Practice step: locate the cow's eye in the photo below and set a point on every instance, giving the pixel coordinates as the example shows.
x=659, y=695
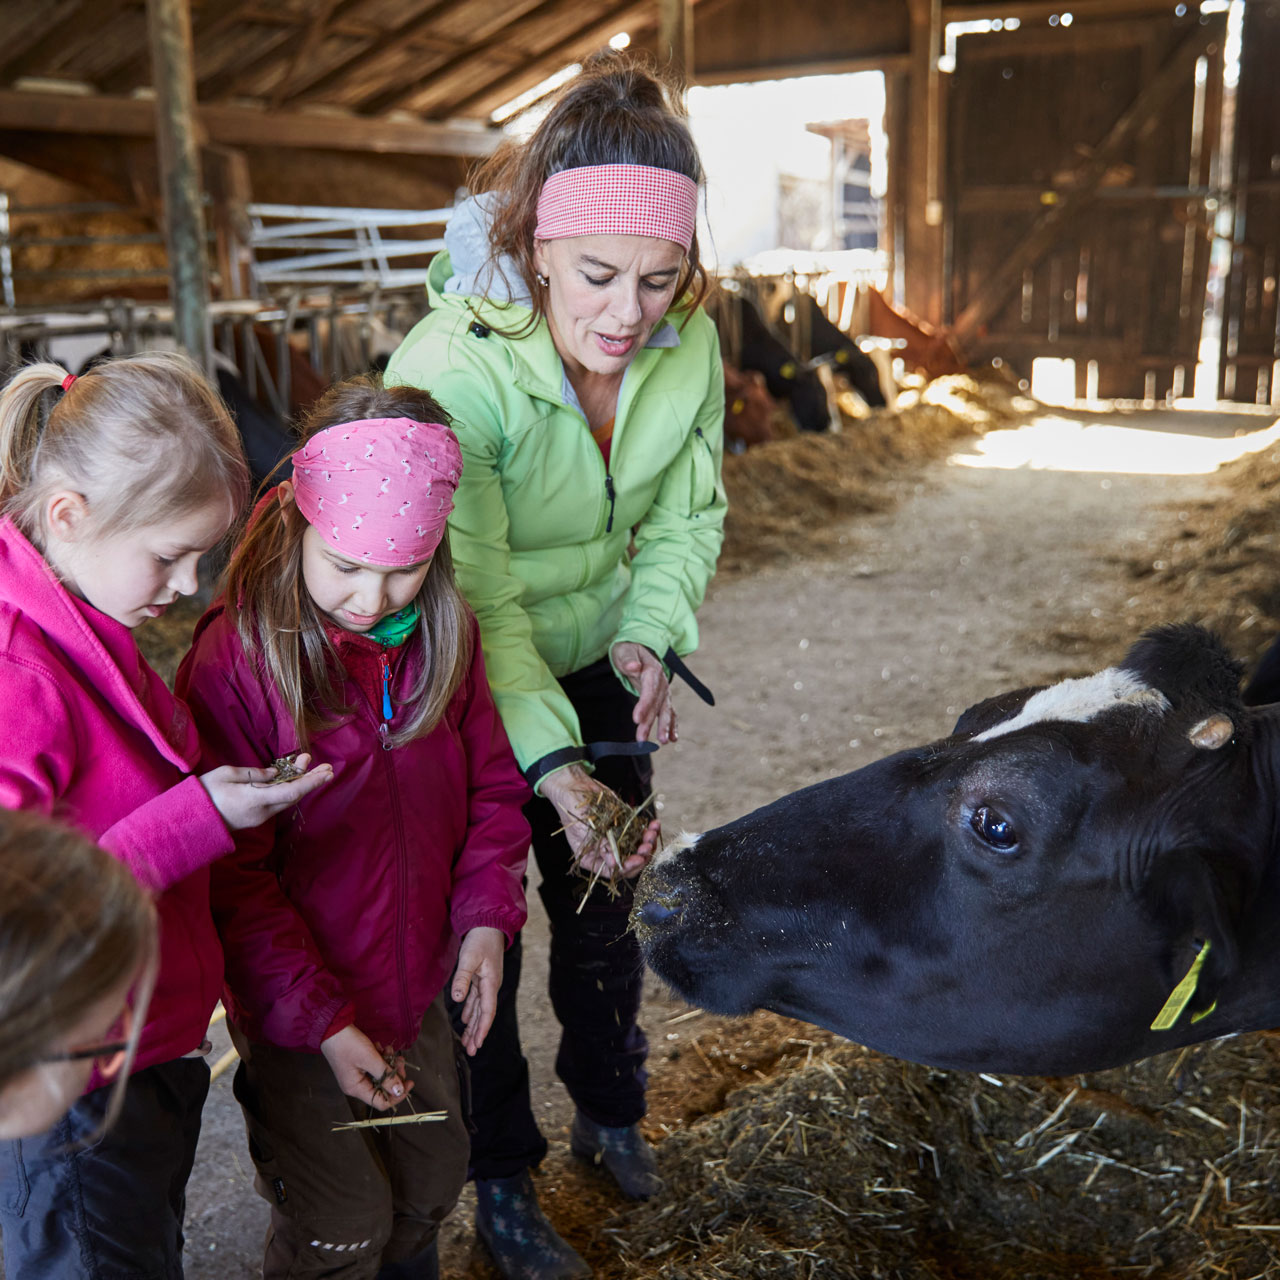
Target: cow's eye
x=993, y=828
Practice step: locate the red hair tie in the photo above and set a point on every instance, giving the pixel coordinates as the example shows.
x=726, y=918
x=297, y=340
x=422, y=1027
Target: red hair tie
x=67, y=381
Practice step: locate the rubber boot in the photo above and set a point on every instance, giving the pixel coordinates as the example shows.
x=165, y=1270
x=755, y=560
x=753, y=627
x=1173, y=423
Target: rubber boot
x=524, y=1244
x=623, y=1152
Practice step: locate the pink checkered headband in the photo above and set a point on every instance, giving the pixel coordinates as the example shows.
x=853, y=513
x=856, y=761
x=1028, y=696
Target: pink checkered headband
x=379, y=489
x=618, y=200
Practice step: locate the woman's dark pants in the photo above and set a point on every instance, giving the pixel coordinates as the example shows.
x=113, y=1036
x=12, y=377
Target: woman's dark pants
x=596, y=973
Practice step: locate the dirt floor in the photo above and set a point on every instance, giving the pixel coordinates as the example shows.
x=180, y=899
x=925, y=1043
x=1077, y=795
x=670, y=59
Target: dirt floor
x=1017, y=560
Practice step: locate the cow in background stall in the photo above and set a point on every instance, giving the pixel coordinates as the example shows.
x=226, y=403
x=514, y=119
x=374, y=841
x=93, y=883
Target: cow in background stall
x=923, y=347
x=1078, y=877
x=750, y=412
x=826, y=344
x=749, y=344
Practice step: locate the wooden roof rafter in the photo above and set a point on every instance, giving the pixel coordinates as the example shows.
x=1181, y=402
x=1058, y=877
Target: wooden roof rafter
x=506, y=85
x=388, y=55
x=389, y=100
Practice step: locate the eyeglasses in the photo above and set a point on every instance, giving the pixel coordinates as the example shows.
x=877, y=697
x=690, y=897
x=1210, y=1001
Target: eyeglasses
x=107, y=1055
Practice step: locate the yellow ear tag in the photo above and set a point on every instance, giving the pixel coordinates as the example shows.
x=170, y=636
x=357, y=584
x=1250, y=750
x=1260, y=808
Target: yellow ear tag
x=1181, y=995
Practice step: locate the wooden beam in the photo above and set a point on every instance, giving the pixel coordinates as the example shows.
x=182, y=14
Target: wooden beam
x=61, y=40
x=675, y=38
x=398, y=97
x=386, y=51
x=510, y=83
x=1048, y=228
x=173, y=75
x=207, y=23
x=45, y=34
x=247, y=126
x=888, y=63
x=242, y=73
x=922, y=256
x=1041, y=10
x=226, y=172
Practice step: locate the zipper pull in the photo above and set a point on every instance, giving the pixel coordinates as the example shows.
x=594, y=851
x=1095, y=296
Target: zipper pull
x=387, y=710
x=612, y=494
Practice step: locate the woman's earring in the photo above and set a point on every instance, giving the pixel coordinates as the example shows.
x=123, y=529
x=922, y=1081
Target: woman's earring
x=542, y=280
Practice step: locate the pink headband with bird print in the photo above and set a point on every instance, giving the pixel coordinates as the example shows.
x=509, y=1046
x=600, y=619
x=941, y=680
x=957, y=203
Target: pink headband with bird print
x=379, y=489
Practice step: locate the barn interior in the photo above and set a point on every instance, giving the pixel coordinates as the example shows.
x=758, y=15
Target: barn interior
x=1084, y=188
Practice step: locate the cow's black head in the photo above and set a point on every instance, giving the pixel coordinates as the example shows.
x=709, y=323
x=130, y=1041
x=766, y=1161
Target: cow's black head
x=1025, y=895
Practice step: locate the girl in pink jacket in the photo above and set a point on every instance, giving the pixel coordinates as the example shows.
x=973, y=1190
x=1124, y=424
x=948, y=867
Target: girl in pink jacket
x=107, y=502
x=342, y=634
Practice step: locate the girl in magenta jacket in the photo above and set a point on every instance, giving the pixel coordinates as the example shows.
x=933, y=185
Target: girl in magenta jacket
x=109, y=499
x=342, y=634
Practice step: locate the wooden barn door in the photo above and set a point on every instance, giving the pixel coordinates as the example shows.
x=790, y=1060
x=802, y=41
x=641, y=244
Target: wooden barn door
x=1079, y=195
x=1251, y=298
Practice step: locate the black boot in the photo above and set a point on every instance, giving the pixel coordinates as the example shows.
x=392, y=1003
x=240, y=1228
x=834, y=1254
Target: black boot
x=623, y=1152
x=524, y=1245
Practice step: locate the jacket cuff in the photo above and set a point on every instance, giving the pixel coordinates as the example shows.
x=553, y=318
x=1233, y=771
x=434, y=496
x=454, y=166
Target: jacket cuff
x=551, y=763
x=509, y=922
x=341, y=1020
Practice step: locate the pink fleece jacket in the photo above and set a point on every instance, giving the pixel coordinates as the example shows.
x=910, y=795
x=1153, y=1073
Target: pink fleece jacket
x=348, y=907
x=93, y=737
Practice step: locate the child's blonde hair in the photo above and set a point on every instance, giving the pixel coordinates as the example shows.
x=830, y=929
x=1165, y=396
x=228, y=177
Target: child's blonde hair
x=74, y=926
x=279, y=624
x=143, y=438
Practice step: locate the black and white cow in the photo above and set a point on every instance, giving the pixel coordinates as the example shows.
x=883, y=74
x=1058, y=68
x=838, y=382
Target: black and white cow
x=1078, y=877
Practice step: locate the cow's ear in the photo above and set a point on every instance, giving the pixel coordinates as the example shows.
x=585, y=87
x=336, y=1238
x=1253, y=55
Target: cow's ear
x=1197, y=898
x=993, y=711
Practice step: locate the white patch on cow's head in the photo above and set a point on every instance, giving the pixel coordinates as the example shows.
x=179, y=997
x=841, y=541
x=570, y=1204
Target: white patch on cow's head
x=685, y=840
x=1081, y=700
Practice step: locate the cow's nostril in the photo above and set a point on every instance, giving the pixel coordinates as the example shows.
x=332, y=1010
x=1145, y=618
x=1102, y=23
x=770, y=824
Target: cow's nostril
x=654, y=912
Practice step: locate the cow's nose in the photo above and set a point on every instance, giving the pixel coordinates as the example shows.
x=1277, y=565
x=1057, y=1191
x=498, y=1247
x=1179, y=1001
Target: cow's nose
x=655, y=912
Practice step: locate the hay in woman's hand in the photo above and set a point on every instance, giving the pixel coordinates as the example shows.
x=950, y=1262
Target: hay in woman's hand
x=617, y=826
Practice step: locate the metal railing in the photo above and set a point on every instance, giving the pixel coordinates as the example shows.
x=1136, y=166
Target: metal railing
x=292, y=245
x=18, y=238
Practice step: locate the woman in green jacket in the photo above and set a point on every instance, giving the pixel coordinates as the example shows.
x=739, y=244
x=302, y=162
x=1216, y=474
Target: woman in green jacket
x=567, y=342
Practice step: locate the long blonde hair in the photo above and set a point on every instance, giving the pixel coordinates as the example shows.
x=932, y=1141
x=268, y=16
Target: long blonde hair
x=278, y=623
x=143, y=438
x=74, y=926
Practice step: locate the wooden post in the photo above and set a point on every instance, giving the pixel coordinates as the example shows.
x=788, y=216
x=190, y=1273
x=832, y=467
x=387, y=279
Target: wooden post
x=675, y=37
x=227, y=174
x=922, y=260
x=177, y=142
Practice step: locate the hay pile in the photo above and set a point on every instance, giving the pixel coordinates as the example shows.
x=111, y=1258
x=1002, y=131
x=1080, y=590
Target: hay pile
x=787, y=497
x=857, y=1165
x=1221, y=568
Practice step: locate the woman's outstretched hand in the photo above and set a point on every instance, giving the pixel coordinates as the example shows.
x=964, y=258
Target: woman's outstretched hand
x=654, y=715
x=243, y=798
x=570, y=791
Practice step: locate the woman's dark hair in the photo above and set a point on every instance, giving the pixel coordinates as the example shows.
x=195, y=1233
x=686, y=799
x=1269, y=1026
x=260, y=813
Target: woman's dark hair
x=617, y=110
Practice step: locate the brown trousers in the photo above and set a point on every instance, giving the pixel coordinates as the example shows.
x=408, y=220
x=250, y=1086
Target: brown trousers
x=343, y=1204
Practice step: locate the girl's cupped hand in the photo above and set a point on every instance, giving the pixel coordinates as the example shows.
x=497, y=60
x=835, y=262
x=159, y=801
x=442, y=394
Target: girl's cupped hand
x=243, y=798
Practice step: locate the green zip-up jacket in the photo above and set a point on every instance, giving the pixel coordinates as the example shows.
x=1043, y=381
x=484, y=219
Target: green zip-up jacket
x=541, y=532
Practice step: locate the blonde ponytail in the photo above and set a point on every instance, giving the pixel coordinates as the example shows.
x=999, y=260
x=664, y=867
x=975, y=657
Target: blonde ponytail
x=144, y=439
x=22, y=423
